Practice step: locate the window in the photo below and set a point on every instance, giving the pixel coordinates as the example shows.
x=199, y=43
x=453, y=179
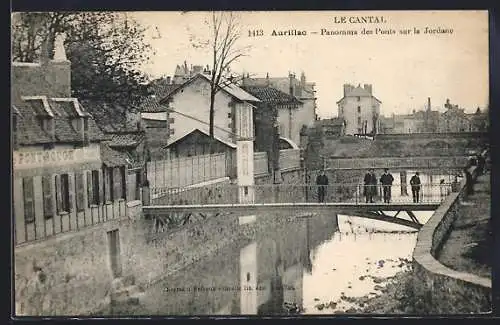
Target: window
x=171, y=120
x=229, y=115
x=359, y=109
x=47, y=197
x=63, y=193
x=230, y=125
x=108, y=183
x=359, y=120
x=79, y=190
x=117, y=184
x=93, y=187
x=123, y=174
x=172, y=131
x=29, y=202
x=359, y=98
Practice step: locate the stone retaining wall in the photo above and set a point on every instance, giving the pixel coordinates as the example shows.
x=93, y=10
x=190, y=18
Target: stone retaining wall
x=439, y=288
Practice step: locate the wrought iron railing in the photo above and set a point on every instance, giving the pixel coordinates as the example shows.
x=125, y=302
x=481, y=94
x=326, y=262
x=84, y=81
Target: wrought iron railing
x=397, y=162
x=301, y=193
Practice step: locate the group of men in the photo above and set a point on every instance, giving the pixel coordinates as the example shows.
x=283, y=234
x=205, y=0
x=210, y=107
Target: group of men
x=370, y=186
x=386, y=180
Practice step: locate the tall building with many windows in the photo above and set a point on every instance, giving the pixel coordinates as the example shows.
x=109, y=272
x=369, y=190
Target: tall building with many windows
x=360, y=110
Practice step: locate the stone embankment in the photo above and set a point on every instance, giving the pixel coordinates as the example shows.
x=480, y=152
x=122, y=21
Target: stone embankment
x=463, y=284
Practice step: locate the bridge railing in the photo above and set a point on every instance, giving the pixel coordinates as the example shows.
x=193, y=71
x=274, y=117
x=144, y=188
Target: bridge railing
x=302, y=193
x=396, y=162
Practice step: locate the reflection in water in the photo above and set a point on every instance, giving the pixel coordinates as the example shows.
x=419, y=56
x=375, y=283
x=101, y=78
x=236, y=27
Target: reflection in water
x=286, y=269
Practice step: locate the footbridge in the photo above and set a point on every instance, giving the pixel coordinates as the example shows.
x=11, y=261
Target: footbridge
x=397, y=163
x=177, y=205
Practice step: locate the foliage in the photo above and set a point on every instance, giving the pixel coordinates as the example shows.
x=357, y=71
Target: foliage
x=105, y=49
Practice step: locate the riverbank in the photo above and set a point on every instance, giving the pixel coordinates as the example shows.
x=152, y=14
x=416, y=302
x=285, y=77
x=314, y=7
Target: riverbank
x=470, y=243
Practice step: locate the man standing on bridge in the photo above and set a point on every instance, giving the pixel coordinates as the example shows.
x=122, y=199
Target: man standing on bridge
x=415, y=187
x=370, y=185
x=322, y=182
x=386, y=180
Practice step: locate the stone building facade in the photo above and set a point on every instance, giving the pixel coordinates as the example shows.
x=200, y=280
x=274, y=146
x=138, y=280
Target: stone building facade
x=360, y=110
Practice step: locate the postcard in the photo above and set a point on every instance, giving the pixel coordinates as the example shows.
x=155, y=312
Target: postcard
x=236, y=163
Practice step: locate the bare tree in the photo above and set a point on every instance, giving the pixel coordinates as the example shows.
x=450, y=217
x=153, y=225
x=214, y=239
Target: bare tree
x=225, y=35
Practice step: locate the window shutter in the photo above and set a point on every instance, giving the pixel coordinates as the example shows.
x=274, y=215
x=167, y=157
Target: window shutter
x=107, y=191
x=47, y=197
x=59, y=194
x=71, y=191
x=79, y=188
x=124, y=182
x=29, y=206
x=100, y=181
x=90, y=192
x=116, y=183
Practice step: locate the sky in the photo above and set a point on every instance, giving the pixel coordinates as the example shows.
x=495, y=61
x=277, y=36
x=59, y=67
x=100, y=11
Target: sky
x=404, y=70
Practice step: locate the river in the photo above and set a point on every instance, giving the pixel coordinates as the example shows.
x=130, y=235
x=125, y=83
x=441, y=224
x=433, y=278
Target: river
x=310, y=265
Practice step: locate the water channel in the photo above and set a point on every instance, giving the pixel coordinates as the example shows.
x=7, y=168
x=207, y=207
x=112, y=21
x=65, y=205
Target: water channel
x=305, y=267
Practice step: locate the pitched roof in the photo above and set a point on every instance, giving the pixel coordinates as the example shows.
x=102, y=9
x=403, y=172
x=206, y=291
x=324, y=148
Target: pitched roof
x=110, y=117
x=126, y=140
x=151, y=104
x=173, y=141
x=112, y=158
x=336, y=121
x=29, y=130
x=231, y=89
x=271, y=95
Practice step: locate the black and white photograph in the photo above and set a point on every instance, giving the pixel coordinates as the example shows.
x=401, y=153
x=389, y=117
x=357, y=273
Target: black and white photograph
x=239, y=163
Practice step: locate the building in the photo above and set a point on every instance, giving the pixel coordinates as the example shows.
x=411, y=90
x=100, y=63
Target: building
x=423, y=121
x=359, y=109
x=331, y=127
x=454, y=119
x=61, y=180
x=301, y=89
x=183, y=73
x=189, y=109
x=479, y=121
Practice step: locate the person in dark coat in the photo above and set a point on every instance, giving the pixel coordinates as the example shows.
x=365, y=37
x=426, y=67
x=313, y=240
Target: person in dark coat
x=370, y=185
x=386, y=180
x=415, y=187
x=322, y=182
x=469, y=186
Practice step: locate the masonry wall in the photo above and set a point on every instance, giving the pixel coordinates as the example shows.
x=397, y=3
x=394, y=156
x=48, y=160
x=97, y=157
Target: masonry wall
x=440, y=289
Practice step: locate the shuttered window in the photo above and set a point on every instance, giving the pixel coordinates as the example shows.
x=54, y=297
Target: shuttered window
x=108, y=185
x=29, y=202
x=117, y=187
x=62, y=193
x=123, y=173
x=93, y=188
x=47, y=197
x=79, y=190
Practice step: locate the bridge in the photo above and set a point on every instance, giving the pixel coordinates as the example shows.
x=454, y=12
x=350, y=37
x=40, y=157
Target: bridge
x=396, y=163
x=176, y=205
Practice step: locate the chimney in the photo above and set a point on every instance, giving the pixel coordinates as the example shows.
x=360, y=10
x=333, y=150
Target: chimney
x=292, y=86
x=267, y=79
x=303, y=79
x=169, y=80
x=243, y=79
x=58, y=70
x=368, y=88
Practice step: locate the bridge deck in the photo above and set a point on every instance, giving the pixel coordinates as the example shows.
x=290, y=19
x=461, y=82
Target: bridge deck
x=258, y=208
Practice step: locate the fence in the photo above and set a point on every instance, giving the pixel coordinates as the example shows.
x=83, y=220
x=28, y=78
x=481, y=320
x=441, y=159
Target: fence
x=261, y=166
x=397, y=162
x=302, y=193
x=289, y=159
x=184, y=171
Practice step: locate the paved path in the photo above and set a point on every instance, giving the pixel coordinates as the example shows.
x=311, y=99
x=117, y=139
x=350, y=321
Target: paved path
x=470, y=243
